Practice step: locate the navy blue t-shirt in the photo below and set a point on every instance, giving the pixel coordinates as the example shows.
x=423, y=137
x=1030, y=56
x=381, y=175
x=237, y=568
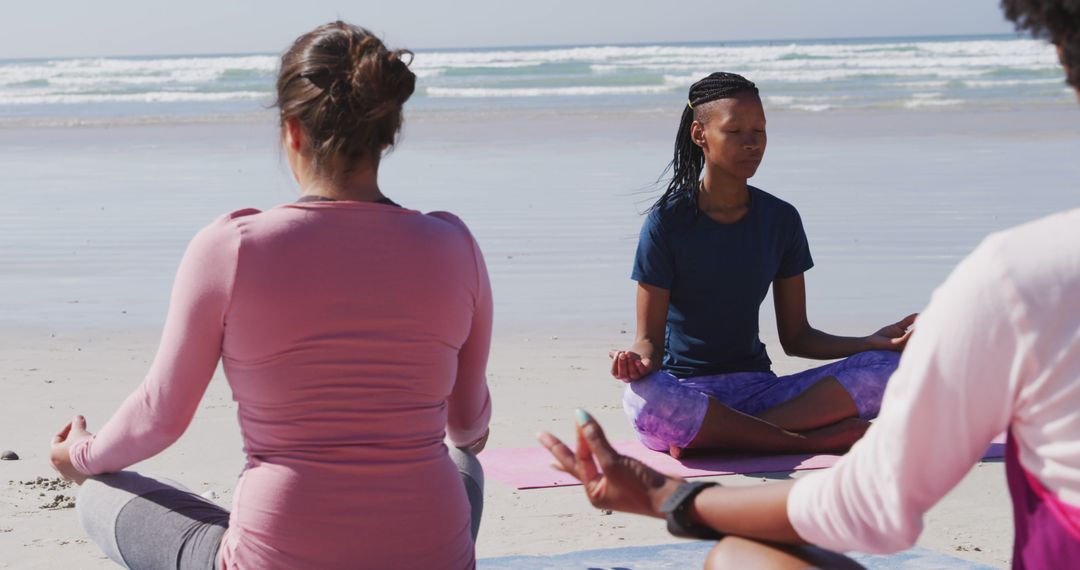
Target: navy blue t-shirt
x=718, y=275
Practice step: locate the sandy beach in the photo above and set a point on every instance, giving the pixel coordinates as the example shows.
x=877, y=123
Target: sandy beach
x=95, y=219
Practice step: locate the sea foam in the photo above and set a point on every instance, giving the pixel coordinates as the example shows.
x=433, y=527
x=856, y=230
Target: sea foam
x=809, y=76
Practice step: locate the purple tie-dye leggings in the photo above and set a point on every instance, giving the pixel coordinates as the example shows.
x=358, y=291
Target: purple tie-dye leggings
x=667, y=411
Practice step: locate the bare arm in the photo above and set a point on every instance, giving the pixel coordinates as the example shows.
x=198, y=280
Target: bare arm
x=645, y=354
x=800, y=339
x=622, y=483
x=756, y=511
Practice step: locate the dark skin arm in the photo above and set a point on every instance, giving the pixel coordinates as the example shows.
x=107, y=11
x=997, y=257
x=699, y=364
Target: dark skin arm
x=755, y=511
x=621, y=483
x=645, y=355
x=796, y=335
x=800, y=339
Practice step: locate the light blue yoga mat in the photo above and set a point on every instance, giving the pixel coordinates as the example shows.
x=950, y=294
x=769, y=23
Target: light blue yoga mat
x=692, y=555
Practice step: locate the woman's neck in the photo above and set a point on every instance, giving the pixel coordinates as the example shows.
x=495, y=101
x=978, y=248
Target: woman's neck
x=723, y=193
x=359, y=185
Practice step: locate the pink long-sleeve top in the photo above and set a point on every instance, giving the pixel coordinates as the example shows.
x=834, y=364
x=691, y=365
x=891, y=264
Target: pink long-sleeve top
x=997, y=349
x=354, y=336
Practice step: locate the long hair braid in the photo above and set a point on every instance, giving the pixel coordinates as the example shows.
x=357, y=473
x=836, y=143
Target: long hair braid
x=689, y=161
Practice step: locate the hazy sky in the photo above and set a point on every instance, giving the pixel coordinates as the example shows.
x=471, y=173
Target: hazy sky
x=30, y=28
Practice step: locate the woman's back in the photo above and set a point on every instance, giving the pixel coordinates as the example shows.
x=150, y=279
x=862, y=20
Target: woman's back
x=343, y=328
x=354, y=334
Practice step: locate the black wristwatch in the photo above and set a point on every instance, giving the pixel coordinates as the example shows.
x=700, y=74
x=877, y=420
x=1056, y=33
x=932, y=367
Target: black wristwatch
x=677, y=510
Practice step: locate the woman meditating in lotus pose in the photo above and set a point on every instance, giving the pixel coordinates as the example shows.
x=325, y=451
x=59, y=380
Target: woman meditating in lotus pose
x=998, y=349
x=699, y=377
x=354, y=334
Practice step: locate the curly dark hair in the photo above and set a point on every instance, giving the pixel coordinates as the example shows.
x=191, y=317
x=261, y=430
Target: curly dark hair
x=1055, y=20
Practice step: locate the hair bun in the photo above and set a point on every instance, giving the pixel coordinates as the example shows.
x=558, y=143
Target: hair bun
x=350, y=91
x=375, y=81
x=398, y=68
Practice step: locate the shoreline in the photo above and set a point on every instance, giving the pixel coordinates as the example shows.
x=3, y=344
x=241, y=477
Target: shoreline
x=948, y=117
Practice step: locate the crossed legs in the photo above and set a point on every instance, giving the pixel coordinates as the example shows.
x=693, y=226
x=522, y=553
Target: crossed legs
x=824, y=409
x=822, y=419
x=145, y=522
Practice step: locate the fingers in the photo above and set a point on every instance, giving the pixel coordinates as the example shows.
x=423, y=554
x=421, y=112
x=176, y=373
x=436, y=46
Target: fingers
x=615, y=360
x=907, y=321
x=641, y=368
x=563, y=456
x=634, y=368
x=587, y=470
x=627, y=365
x=591, y=441
x=62, y=434
x=902, y=339
x=78, y=425
x=624, y=363
x=594, y=438
x=558, y=467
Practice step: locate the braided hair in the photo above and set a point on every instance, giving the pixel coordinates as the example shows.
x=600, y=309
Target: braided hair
x=686, y=167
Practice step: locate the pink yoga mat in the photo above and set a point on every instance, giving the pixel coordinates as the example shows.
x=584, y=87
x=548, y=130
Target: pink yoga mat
x=530, y=467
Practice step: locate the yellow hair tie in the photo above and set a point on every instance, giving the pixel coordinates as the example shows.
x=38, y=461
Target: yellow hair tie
x=690, y=103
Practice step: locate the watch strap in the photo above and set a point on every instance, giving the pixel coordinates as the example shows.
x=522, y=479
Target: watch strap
x=676, y=508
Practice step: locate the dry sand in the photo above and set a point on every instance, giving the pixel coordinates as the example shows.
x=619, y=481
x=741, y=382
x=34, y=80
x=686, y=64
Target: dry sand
x=536, y=383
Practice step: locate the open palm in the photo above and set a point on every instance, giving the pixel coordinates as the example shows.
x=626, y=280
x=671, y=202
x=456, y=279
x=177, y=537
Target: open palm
x=896, y=335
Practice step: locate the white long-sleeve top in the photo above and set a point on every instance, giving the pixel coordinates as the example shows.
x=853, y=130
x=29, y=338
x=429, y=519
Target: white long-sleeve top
x=997, y=349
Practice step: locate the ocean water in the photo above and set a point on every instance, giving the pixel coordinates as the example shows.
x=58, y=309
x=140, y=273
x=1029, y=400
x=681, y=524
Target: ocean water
x=810, y=76
x=893, y=192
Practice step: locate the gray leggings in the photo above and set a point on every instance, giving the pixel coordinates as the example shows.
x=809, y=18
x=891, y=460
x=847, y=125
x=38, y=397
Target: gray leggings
x=142, y=522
